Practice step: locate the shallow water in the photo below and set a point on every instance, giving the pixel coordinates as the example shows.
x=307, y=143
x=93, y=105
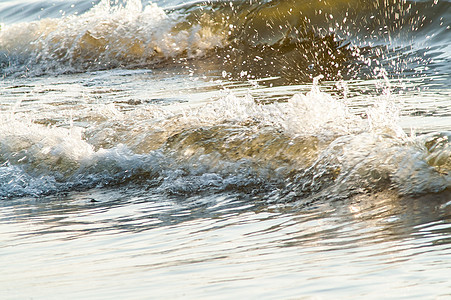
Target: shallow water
x=137, y=244
x=272, y=149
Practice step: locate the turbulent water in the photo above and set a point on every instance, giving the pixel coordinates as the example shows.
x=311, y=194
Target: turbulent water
x=271, y=149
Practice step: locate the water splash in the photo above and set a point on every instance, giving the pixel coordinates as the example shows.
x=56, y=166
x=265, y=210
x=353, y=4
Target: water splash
x=309, y=146
x=107, y=36
x=292, y=40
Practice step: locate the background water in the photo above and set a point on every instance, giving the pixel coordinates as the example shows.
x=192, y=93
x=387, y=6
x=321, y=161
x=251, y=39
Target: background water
x=257, y=149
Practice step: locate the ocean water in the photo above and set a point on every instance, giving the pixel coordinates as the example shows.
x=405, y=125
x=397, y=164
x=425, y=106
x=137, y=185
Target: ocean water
x=221, y=149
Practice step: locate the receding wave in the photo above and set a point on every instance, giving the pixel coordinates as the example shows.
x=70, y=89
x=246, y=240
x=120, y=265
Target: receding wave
x=297, y=40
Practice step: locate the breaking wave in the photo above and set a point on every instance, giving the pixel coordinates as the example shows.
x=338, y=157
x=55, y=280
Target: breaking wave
x=296, y=40
x=308, y=147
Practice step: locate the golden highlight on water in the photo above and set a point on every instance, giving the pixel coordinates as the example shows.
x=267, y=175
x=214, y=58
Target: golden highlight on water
x=218, y=149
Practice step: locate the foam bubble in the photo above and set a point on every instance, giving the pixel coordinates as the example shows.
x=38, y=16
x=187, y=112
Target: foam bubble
x=308, y=146
x=105, y=37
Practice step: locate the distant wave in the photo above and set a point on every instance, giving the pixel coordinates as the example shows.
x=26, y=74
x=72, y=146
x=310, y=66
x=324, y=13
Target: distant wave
x=104, y=37
x=297, y=40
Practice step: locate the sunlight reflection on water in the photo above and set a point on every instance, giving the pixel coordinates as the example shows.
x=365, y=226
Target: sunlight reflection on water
x=375, y=246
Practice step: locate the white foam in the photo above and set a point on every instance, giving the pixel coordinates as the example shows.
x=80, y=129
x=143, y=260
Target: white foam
x=107, y=36
x=312, y=114
x=356, y=154
x=37, y=160
x=43, y=148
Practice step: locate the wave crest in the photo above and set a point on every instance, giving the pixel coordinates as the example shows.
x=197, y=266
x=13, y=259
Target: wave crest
x=308, y=147
x=106, y=37
x=296, y=40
